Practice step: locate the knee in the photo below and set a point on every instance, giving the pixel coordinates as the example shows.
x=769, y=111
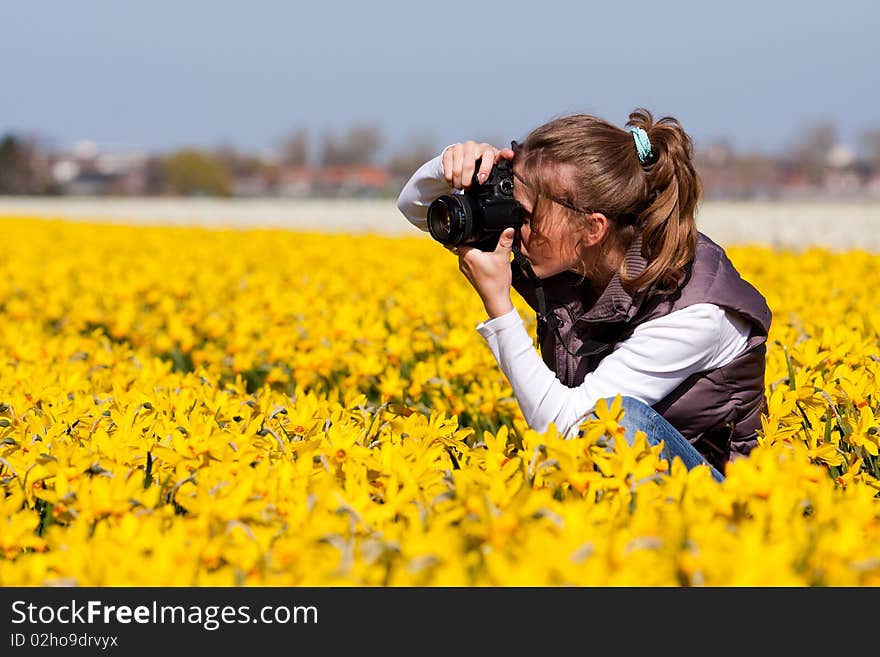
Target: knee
x=628, y=403
x=635, y=411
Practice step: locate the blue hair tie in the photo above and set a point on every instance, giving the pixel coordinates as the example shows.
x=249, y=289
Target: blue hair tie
x=643, y=144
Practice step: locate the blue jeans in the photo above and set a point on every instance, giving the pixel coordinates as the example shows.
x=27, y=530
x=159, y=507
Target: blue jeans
x=638, y=416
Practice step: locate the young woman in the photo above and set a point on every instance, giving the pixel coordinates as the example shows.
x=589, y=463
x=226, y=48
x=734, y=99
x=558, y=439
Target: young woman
x=636, y=300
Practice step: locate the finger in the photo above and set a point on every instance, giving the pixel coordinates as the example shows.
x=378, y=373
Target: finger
x=448, y=156
x=505, y=242
x=468, y=165
x=506, y=153
x=486, y=164
x=457, y=159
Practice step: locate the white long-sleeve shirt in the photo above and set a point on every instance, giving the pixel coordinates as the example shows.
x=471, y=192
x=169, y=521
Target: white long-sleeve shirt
x=659, y=355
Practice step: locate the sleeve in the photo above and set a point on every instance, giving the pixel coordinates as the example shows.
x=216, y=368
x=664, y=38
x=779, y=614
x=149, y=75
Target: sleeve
x=651, y=363
x=425, y=185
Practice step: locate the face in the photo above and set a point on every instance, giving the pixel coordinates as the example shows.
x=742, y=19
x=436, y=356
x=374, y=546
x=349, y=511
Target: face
x=554, y=251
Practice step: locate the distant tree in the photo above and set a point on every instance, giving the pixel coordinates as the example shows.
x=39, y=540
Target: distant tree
x=237, y=163
x=331, y=151
x=360, y=145
x=155, y=177
x=194, y=173
x=294, y=149
x=717, y=153
x=809, y=151
x=418, y=150
x=18, y=171
x=869, y=147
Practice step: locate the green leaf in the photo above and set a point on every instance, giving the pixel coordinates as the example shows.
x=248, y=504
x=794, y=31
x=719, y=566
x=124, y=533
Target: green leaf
x=791, y=381
x=148, y=471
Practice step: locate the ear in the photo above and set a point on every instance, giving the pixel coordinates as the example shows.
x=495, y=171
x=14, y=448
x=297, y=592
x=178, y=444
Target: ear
x=596, y=227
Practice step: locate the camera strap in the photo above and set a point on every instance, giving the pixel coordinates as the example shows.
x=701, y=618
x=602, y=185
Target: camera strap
x=543, y=316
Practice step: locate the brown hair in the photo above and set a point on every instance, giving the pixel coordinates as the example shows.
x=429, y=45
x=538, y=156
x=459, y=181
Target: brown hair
x=589, y=165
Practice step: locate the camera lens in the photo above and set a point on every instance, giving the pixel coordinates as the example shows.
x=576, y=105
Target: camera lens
x=440, y=223
x=448, y=219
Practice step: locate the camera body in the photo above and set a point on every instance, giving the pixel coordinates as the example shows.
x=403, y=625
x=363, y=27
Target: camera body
x=479, y=215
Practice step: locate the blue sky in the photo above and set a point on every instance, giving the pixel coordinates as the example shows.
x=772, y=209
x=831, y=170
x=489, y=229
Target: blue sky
x=161, y=74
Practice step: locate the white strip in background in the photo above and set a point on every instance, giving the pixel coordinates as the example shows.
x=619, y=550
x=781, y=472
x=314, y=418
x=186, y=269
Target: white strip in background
x=836, y=225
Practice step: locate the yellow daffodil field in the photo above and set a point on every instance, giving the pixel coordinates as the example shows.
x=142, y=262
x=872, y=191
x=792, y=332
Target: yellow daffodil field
x=186, y=406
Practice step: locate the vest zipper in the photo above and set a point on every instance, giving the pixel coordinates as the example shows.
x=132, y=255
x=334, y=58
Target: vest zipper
x=566, y=349
x=569, y=369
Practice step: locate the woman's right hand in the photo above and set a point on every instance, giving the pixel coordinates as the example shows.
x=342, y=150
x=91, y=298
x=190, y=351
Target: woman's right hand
x=459, y=162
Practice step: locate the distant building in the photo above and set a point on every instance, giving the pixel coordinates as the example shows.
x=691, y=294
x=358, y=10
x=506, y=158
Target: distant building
x=87, y=172
x=252, y=185
x=333, y=181
x=296, y=182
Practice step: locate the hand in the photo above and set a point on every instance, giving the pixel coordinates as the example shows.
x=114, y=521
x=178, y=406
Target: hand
x=489, y=273
x=459, y=162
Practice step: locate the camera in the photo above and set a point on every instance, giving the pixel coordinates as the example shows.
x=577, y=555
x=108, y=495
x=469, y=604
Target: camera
x=479, y=215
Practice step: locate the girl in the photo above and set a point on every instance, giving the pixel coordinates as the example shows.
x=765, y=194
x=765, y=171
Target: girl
x=631, y=297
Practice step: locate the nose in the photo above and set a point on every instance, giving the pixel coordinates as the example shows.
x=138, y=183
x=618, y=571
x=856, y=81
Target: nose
x=524, y=235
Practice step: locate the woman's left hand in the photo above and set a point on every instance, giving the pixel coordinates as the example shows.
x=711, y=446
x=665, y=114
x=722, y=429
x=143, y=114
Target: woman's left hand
x=489, y=273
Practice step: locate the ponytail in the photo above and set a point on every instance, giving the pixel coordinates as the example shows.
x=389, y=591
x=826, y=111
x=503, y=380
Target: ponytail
x=668, y=222
x=643, y=183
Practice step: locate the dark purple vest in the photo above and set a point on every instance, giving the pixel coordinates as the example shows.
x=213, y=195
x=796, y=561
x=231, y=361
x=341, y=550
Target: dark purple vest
x=717, y=410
